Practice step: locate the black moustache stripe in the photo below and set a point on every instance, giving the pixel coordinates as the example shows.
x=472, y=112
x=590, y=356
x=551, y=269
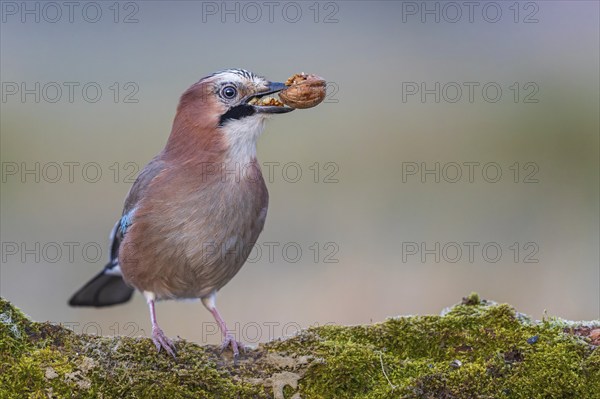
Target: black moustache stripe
x=237, y=112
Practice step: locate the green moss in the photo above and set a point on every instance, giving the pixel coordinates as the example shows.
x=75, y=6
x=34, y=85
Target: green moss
x=477, y=349
x=40, y=360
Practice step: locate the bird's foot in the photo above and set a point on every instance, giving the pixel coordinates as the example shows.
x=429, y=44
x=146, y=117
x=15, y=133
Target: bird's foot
x=230, y=340
x=162, y=341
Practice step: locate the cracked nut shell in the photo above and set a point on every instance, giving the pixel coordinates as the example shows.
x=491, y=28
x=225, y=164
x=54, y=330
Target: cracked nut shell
x=304, y=91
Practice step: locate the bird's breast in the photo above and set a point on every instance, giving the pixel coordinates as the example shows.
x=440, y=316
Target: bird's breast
x=193, y=232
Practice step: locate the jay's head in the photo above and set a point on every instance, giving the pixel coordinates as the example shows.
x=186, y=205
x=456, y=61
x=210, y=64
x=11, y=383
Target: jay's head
x=228, y=110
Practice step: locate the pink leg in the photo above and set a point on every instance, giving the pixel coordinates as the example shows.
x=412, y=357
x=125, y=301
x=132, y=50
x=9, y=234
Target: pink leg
x=158, y=336
x=228, y=338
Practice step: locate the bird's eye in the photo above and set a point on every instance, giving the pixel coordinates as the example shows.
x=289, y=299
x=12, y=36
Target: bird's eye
x=228, y=92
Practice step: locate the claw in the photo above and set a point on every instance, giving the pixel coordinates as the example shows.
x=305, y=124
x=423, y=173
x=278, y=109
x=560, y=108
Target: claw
x=162, y=341
x=158, y=336
x=230, y=340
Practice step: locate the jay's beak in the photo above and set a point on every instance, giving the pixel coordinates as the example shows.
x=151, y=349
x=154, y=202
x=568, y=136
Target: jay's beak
x=264, y=103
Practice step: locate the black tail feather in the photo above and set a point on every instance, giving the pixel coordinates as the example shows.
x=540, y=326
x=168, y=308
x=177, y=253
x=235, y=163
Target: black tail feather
x=103, y=290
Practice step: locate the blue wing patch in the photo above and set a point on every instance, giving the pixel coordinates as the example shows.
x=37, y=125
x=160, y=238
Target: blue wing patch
x=126, y=221
x=116, y=237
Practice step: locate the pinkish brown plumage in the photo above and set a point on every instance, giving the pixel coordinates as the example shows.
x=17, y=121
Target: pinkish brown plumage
x=195, y=211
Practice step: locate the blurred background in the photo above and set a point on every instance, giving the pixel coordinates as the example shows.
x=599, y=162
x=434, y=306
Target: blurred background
x=457, y=151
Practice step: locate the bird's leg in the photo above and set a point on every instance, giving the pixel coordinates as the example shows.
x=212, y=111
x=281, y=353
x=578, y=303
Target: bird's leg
x=228, y=338
x=158, y=336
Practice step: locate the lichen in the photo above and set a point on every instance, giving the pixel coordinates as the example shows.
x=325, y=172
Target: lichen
x=477, y=349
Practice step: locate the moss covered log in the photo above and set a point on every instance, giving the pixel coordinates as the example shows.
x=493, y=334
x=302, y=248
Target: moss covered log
x=476, y=349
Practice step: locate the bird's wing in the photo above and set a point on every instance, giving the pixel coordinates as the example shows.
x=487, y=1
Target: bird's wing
x=136, y=192
x=140, y=186
x=108, y=287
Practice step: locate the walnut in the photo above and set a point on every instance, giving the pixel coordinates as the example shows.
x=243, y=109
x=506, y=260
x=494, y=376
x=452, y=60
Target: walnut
x=304, y=91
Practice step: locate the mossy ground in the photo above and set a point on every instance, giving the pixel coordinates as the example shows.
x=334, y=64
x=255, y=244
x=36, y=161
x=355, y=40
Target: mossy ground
x=476, y=350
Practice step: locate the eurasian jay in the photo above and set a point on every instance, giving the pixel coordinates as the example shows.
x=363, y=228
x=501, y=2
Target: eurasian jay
x=196, y=210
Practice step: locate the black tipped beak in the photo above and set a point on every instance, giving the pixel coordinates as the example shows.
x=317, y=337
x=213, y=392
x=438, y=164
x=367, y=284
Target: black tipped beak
x=273, y=109
x=272, y=88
